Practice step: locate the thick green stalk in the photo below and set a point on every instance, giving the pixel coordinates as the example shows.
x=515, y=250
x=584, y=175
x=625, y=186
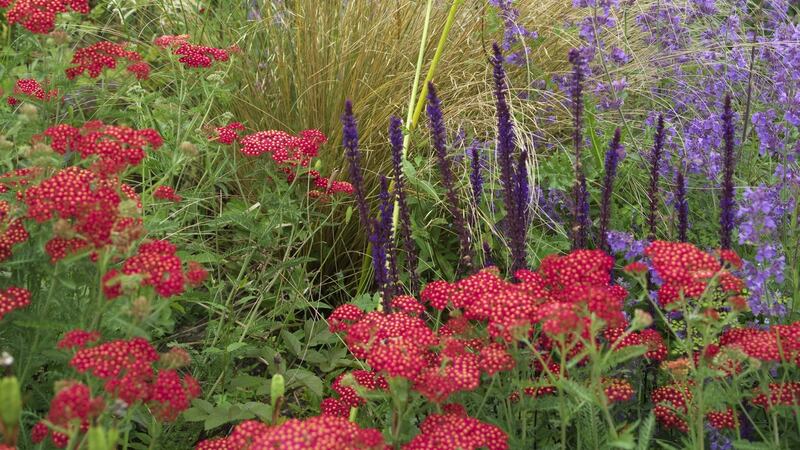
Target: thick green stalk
x=412, y=118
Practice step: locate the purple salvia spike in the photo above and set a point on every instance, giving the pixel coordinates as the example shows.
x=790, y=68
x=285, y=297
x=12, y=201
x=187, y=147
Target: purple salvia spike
x=655, y=171
x=384, y=233
x=353, y=155
x=505, y=152
x=579, y=226
x=475, y=175
x=727, y=218
x=611, y=163
x=522, y=194
x=439, y=136
x=396, y=140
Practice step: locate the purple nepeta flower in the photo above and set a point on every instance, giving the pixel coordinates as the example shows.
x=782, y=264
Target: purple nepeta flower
x=623, y=243
x=612, y=161
x=727, y=217
x=438, y=135
x=514, y=33
x=396, y=140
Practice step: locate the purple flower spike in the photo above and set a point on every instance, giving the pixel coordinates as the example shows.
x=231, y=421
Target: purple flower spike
x=611, y=163
x=652, y=193
x=353, y=155
x=385, y=257
x=580, y=226
x=514, y=229
x=727, y=218
x=396, y=139
x=438, y=135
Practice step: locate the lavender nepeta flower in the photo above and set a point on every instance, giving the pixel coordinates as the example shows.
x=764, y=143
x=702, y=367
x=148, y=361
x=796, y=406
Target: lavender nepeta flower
x=652, y=193
x=612, y=160
x=514, y=33
x=396, y=140
x=438, y=135
x=623, y=243
x=727, y=201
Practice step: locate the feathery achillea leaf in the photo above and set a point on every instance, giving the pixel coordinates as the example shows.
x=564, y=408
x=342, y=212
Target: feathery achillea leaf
x=439, y=136
x=396, y=140
x=727, y=218
x=652, y=193
x=611, y=163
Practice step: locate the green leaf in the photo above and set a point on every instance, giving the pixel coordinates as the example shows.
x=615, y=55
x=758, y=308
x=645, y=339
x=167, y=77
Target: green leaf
x=577, y=390
x=646, y=432
x=235, y=346
x=305, y=378
x=292, y=342
x=747, y=445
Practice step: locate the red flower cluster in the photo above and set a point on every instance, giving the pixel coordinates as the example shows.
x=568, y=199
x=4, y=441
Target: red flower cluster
x=348, y=397
x=14, y=233
x=127, y=367
x=161, y=267
x=39, y=16
x=116, y=147
x=78, y=339
x=101, y=55
x=32, y=89
x=617, y=390
x=71, y=410
x=652, y=339
x=316, y=433
x=13, y=298
x=778, y=394
x=722, y=420
x=229, y=133
x=686, y=271
x=192, y=55
x=671, y=402
x=290, y=151
x=454, y=431
x=89, y=206
x=167, y=193
x=779, y=343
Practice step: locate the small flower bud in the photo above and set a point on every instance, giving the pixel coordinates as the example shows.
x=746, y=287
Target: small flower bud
x=10, y=402
x=29, y=111
x=140, y=308
x=277, y=389
x=641, y=319
x=188, y=149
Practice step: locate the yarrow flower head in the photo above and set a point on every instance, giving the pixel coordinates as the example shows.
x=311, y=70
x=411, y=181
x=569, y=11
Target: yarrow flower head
x=116, y=147
x=32, y=89
x=686, y=271
x=71, y=410
x=229, y=133
x=452, y=431
x=12, y=299
x=322, y=432
x=102, y=55
x=191, y=55
x=39, y=16
x=167, y=193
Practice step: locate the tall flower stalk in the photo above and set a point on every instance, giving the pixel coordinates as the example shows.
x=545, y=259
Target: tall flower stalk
x=727, y=202
x=611, y=164
x=382, y=231
x=580, y=216
x=655, y=172
x=439, y=136
x=681, y=204
x=515, y=228
x=401, y=203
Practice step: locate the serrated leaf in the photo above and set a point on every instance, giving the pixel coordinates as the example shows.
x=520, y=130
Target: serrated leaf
x=577, y=390
x=646, y=432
